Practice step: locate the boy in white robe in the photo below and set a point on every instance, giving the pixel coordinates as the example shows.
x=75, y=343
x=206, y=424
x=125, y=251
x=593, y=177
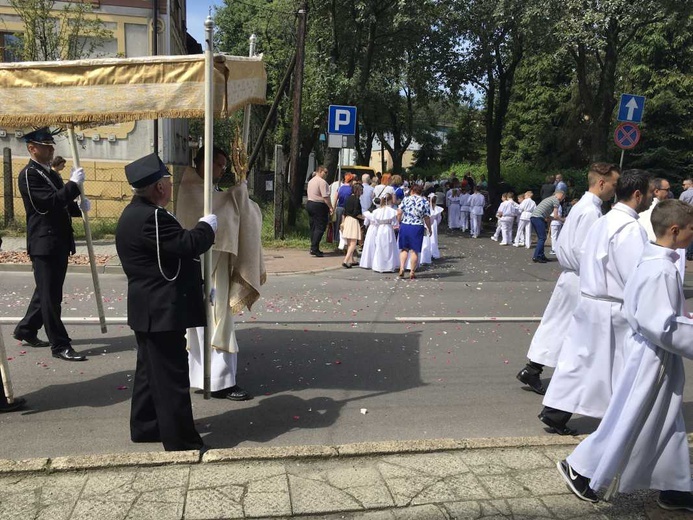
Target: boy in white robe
x=547, y=340
x=476, y=212
x=499, y=213
x=524, y=226
x=507, y=218
x=464, y=210
x=516, y=224
x=591, y=357
x=641, y=443
x=556, y=225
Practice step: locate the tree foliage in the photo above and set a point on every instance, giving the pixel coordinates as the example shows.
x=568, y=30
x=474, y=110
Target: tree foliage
x=51, y=33
x=515, y=82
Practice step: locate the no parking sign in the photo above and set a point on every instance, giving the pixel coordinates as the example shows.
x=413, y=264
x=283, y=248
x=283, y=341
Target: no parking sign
x=627, y=135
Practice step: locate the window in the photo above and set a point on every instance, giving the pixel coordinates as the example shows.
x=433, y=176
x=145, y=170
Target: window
x=8, y=47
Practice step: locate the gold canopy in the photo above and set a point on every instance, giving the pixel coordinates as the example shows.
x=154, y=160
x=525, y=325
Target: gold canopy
x=117, y=90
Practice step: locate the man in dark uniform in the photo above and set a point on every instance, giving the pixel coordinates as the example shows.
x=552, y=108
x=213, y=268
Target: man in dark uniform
x=50, y=205
x=165, y=297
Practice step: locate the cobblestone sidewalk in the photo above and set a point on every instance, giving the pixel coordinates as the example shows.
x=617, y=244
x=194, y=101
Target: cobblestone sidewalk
x=313, y=482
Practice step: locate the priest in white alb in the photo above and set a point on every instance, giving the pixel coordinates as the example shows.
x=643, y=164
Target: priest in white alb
x=238, y=271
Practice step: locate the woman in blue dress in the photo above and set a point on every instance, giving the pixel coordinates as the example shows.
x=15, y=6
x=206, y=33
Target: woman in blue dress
x=414, y=216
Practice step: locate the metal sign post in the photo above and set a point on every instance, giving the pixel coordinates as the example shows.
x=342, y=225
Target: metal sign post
x=341, y=127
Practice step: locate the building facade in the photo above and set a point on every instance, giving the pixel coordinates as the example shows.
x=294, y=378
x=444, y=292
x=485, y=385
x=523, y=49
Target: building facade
x=105, y=149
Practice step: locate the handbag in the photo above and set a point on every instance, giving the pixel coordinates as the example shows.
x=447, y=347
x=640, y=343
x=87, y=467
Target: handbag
x=330, y=234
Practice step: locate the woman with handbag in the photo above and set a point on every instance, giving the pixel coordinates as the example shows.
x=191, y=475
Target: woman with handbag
x=351, y=227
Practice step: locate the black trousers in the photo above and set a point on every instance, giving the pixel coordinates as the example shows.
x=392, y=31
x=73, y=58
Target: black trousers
x=318, y=214
x=161, y=409
x=45, y=305
x=558, y=416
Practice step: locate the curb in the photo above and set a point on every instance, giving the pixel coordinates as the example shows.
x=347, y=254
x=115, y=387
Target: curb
x=117, y=269
x=312, y=271
x=343, y=451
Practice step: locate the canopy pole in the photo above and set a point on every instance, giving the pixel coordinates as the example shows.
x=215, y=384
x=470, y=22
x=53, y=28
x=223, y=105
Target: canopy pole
x=5, y=372
x=87, y=234
x=209, y=157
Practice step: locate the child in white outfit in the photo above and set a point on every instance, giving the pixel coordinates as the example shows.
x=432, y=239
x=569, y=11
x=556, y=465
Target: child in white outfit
x=556, y=225
x=524, y=228
x=497, y=234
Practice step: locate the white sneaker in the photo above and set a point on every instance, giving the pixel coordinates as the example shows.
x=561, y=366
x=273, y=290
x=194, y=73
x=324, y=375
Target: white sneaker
x=494, y=239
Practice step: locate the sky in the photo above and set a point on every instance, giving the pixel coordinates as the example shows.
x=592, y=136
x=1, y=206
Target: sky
x=197, y=12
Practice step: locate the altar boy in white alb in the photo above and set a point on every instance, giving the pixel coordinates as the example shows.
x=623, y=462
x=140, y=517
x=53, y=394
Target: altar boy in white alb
x=641, y=443
x=591, y=357
x=547, y=340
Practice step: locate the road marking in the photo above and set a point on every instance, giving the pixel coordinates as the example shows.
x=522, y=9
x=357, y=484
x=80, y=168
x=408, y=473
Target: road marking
x=470, y=319
x=73, y=320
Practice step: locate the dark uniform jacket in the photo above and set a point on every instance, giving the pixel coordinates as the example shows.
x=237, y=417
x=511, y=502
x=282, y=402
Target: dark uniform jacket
x=50, y=205
x=156, y=304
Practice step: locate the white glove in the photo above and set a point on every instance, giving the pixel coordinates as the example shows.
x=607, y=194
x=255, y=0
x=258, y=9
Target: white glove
x=210, y=219
x=77, y=175
x=85, y=205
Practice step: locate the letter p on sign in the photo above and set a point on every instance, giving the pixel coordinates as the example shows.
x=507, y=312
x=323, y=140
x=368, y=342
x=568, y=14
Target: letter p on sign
x=342, y=120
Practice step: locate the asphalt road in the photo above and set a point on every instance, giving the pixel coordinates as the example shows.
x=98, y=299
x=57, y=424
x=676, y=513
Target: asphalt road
x=323, y=354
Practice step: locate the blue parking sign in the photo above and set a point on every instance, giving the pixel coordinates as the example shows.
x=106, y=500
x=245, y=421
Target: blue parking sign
x=341, y=120
x=631, y=108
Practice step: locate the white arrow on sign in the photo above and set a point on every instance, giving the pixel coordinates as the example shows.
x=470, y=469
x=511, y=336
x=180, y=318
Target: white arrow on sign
x=632, y=106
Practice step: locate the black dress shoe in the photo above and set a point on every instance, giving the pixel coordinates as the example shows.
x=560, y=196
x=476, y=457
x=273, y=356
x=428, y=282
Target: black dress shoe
x=69, y=354
x=554, y=427
x=539, y=260
x=33, y=342
x=17, y=404
x=235, y=393
x=319, y=254
x=531, y=380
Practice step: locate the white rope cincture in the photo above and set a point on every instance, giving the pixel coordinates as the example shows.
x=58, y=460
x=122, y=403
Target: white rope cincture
x=28, y=190
x=158, y=252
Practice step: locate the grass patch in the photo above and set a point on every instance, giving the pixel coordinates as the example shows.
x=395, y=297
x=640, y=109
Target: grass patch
x=294, y=238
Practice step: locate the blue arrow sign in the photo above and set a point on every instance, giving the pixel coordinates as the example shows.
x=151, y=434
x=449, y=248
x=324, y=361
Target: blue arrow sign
x=341, y=120
x=631, y=108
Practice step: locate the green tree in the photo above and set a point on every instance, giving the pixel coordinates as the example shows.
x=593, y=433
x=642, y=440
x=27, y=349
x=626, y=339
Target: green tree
x=596, y=34
x=51, y=33
x=487, y=40
x=464, y=143
x=356, y=54
x=659, y=65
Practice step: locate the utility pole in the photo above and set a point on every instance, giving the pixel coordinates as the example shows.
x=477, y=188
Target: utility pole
x=298, y=87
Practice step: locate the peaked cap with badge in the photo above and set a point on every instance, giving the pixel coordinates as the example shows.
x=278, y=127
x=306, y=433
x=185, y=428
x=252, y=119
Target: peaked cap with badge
x=145, y=171
x=42, y=135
